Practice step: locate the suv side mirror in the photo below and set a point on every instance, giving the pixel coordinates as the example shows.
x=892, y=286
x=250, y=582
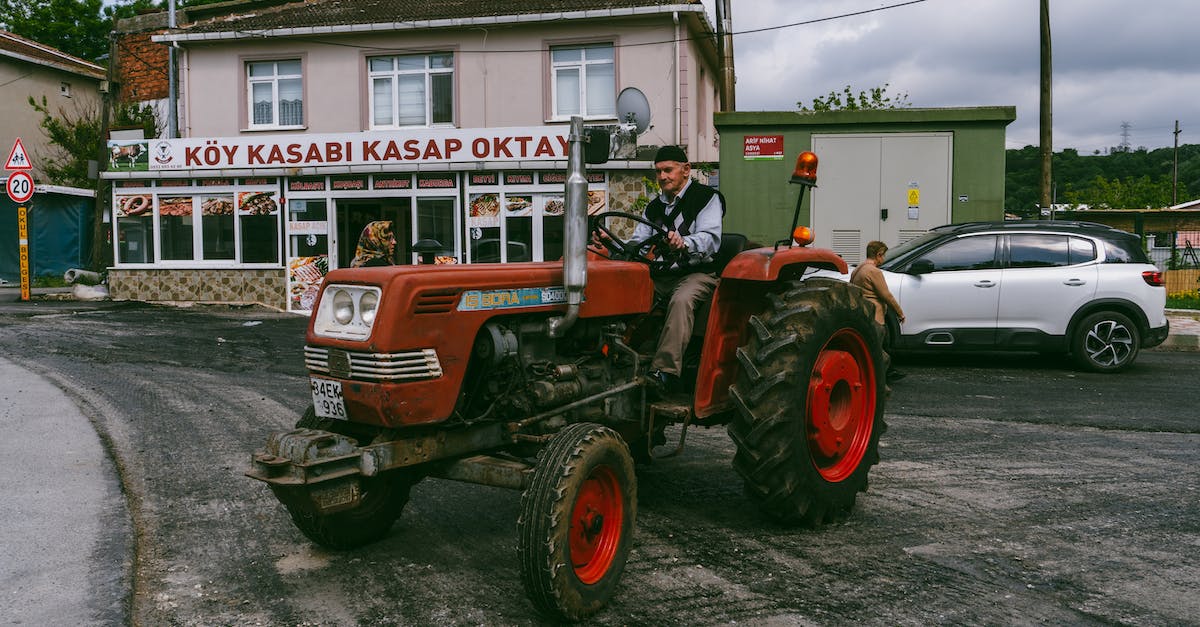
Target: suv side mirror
x=920, y=266
x=597, y=146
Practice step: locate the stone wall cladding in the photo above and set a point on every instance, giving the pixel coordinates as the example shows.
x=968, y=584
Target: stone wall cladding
x=624, y=190
x=267, y=287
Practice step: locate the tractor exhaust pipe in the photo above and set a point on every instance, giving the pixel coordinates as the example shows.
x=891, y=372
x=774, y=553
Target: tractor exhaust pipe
x=574, y=230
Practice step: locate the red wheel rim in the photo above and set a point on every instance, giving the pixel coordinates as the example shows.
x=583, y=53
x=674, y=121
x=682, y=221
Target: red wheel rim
x=596, y=525
x=841, y=405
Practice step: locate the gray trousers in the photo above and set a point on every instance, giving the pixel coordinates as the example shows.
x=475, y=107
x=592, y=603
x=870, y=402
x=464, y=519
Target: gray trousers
x=684, y=294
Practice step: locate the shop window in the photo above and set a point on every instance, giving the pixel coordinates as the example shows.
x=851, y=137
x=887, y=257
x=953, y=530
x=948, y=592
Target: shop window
x=583, y=81
x=435, y=220
x=276, y=93
x=258, y=213
x=216, y=227
x=552, y=227
x=308, y=262
x=518, y=222
x=135, y=228
x=411, y=90
x=176, y=224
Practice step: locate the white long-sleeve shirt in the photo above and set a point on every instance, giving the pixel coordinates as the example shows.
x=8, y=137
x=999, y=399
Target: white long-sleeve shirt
x=705, y=238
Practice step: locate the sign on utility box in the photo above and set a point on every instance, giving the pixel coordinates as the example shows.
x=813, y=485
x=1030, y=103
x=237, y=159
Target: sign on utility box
x=19, y=187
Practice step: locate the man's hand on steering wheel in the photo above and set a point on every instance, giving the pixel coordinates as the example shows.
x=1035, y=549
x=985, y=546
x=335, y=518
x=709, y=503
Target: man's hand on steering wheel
x=668, y=245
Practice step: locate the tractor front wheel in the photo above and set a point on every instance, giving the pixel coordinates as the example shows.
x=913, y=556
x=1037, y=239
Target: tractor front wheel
x=576, y=523
x=810, y=395
x=382, y=499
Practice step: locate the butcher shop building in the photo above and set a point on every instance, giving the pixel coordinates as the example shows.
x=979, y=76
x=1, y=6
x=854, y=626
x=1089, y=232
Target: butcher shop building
x=302, y=122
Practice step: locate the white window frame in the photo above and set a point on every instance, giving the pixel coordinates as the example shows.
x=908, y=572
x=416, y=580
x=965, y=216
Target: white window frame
x=393, y=75
x=273, y=81
x=581, y=67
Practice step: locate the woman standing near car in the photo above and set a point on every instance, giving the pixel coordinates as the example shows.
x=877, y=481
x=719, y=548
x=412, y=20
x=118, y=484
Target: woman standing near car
x=870, y=278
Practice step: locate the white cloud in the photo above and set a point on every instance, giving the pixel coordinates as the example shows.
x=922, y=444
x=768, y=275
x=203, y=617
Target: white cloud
x=1114, y=61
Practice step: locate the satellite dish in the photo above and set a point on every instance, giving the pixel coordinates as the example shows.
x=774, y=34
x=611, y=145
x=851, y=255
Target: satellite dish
x=633, y=108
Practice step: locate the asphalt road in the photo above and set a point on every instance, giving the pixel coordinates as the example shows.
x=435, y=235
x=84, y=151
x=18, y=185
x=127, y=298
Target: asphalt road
x=1012, y=490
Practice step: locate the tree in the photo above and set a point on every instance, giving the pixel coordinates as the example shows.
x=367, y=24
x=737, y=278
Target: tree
x=76, y=136
x=76, y=27
x=79, y=28
x=874, y=98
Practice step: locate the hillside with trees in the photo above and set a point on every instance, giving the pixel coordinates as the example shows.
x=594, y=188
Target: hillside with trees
x=1134, y=179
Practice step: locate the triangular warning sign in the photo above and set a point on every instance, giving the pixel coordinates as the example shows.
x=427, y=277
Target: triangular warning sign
x=17, y=159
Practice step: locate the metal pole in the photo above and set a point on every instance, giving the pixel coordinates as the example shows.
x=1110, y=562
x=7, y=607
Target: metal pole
x=172, y=104
x=1047, y=131
x=1175, y=169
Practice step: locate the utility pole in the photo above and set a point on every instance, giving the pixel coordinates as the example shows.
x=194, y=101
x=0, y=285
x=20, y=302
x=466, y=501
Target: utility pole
x=1046, y=128
x=1175, y=169
x=172, y=102
x=725, y=50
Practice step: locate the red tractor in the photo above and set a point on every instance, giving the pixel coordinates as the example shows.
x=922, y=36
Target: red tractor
x=532, y=376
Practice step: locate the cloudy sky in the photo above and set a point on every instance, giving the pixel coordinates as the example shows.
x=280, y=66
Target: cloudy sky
x=1115, y=61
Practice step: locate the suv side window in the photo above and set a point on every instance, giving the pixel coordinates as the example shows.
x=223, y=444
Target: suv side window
x=1029, y=250
x=1115, y=253
x=977, y=252
x=1082, y=250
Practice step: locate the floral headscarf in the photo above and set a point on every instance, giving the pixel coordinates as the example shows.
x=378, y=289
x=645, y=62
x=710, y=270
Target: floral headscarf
x=376, y=245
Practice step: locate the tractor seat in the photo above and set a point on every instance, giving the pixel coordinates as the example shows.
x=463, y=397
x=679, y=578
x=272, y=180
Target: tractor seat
x=731, y=245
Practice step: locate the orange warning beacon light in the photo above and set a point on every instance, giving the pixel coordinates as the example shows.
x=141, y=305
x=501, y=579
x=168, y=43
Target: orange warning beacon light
x=806, y=169
x=802, y=236
x=804, y=175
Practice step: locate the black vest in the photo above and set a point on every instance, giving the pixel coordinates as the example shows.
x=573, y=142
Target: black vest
x=694, y=199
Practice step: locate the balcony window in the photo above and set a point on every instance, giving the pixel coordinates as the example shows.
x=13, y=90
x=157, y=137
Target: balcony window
x=276, y=94
x=412, y=90
x=584, y=81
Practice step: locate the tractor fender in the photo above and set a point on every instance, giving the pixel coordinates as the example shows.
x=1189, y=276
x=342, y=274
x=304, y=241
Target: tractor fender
x=740, y=294
x=765, y=264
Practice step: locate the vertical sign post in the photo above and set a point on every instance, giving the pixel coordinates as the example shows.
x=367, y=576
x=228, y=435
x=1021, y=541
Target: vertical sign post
x=23, y=241
x=19, y=187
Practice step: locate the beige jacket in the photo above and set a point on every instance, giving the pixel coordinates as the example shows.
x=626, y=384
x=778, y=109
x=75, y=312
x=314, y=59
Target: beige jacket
x=869, y=277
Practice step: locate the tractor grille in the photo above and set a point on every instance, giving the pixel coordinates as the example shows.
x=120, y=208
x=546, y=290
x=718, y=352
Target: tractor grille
x=406, y=366
x=436, y=301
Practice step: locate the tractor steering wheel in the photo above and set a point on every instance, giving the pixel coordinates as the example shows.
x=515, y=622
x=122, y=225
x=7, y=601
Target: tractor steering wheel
x=631, y=251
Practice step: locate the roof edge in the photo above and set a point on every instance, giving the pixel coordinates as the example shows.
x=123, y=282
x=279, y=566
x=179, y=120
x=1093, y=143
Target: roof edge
x=492, y=20
x=1005, y=114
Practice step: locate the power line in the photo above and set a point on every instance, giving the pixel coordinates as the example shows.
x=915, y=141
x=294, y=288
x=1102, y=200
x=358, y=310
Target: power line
x=259, y=34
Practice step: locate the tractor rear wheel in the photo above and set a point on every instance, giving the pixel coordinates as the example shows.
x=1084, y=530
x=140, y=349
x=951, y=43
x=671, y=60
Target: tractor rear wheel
x=576, y=524
x=810, y=396
x=382, y=500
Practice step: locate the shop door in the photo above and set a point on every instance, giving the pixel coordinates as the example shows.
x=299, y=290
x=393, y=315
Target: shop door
x=354, y=215
x=888, y=187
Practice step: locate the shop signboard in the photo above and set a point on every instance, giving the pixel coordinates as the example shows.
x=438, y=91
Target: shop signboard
x=376, y=148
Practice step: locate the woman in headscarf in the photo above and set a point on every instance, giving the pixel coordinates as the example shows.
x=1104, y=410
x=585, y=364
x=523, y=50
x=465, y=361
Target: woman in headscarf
x=376, y=245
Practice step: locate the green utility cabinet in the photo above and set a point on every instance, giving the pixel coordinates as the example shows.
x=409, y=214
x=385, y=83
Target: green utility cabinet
x=887, y=174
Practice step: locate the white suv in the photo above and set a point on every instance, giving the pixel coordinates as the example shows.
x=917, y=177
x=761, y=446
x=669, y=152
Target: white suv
x=1049, y=286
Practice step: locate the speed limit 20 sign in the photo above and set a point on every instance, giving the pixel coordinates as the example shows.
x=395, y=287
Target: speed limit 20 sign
x=19, y=186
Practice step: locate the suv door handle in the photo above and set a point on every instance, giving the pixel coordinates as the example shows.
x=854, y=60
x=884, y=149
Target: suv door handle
x=985, y=283
x=1074, y=282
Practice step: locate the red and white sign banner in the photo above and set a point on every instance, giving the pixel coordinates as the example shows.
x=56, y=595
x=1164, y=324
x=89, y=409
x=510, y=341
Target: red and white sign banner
x=423, y=146
x=768, y=147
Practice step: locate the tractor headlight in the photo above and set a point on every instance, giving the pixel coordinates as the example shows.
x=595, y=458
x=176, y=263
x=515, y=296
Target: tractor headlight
x=343, y=306
x=347, y=311
x=367, y=306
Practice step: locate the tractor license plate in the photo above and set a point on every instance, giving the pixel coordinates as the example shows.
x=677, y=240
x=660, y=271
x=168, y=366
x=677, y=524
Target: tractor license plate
x=327, y=398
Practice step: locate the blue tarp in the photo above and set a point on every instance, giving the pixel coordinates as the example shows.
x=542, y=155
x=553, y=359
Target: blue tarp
x=60, y=234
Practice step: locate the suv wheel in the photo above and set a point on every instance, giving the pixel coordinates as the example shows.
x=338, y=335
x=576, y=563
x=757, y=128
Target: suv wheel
x=1106, y=342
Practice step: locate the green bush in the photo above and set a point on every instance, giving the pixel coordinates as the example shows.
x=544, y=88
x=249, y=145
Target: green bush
x=1183, y=300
